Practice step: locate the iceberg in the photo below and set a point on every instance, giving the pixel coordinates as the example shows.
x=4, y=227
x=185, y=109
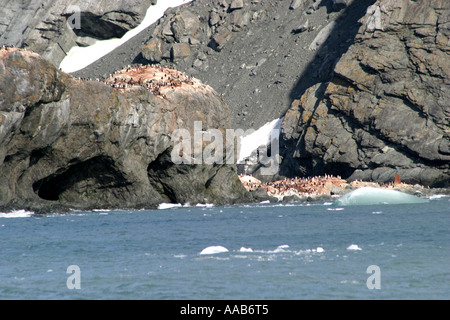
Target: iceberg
x=374, y=196
x=213, y=250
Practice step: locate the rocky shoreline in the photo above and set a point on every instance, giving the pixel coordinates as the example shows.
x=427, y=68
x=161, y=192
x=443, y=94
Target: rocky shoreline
x=324, y=188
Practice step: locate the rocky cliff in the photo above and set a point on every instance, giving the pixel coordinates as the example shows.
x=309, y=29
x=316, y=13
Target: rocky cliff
x=386, y=106
x=49, y=27
x=66, y=142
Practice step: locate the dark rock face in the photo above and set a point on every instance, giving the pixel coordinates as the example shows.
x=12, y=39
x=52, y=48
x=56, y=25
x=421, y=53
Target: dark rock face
x=68, y=143
x=387, y=105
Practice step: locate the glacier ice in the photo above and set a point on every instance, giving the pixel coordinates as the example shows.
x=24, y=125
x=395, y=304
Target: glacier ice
x=374, y=196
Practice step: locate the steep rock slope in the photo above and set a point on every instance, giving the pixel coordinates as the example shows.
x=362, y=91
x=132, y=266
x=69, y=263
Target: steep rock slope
x=66, y=142
x=259, y=54
x=42, y=25
x=387, y=105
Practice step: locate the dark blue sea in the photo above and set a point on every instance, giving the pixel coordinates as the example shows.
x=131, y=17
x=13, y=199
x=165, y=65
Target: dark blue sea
x=259, y=251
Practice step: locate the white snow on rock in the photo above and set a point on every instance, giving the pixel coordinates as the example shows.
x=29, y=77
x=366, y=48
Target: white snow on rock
x=261, y=137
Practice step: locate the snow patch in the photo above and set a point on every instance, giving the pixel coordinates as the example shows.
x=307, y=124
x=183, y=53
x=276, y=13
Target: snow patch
x=261, y=137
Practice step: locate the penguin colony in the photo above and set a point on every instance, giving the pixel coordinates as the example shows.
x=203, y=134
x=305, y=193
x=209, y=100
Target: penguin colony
x=151, y=77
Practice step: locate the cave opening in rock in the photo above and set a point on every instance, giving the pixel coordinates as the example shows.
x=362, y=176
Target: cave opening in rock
x=91, y=178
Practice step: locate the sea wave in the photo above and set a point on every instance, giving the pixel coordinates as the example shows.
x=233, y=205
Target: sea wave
x=16, y=214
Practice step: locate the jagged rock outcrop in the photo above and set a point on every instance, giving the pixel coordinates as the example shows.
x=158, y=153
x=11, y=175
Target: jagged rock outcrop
x=387, y=105
x=70, y=143
x=42, y=25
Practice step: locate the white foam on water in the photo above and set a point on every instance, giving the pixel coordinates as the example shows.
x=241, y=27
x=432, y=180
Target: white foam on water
x=16, y=214
x=102, y=211
x=213, y=250
x=282, y=248
x=353, y=247
x=164, y=205
x=437, y=196
x=244, y=249
x=375, y=196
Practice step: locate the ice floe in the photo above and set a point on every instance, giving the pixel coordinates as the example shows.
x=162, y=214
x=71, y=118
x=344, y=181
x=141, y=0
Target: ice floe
x=213, y=250
x=353, y=247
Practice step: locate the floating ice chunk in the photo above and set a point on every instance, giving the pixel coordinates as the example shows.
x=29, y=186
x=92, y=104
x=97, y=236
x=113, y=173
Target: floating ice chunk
x=213, y=250
x=319, y=249
x=206, y=205
x=354, y=247
x=244, y=249
x=373, y=196
x=169, y=205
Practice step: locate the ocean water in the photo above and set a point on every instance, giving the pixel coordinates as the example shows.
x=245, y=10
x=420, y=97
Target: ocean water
x=258, y=251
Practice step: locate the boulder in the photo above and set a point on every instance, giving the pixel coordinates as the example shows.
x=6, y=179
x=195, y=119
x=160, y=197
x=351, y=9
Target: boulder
x=180, y=51
x=296, y=4
x=220, y=39
x=152, y=50
x=185, y=23
x=236, y=4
